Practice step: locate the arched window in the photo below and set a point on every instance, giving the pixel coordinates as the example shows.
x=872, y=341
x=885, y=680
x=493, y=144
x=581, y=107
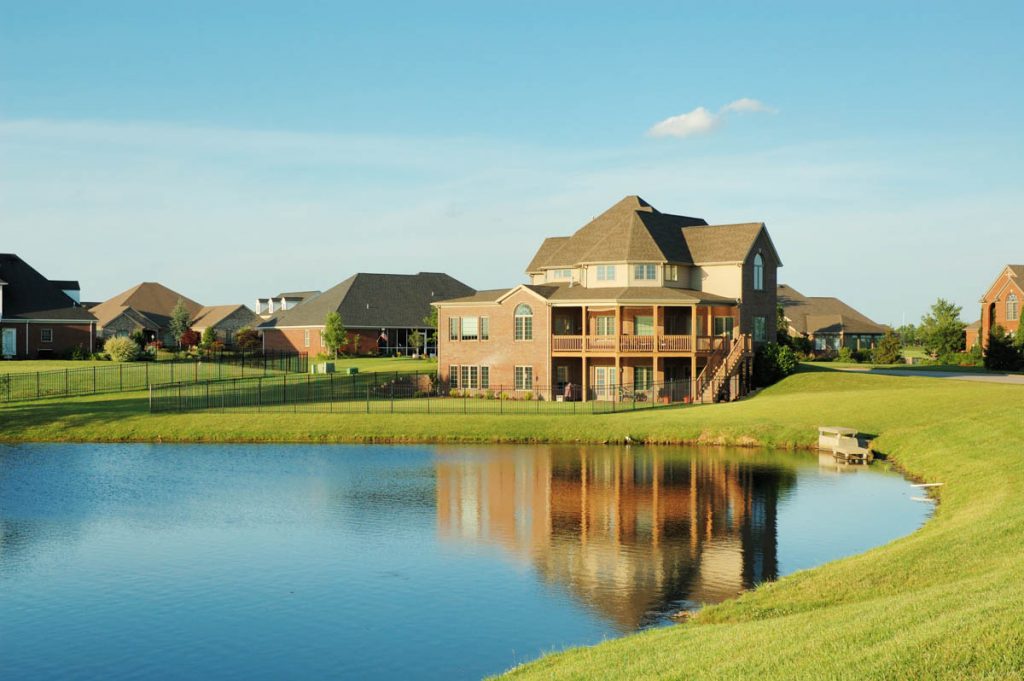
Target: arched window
x=1012, y=308
x=758, y=273
x=524, y=322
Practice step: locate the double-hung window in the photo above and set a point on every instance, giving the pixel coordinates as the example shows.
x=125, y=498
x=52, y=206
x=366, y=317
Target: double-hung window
x=485, y=328
x=605, y=325
x=305, y=338
x=723, y=326
x=453, y=328
x=485, y=377
x=671, y=272
x=644, y=272
x=524, y=378
x=606, y=272
x=1012, y=308
x=760, y=329
x=453, y=376
x=470, y=328
x=470, y=376
x=45, y=335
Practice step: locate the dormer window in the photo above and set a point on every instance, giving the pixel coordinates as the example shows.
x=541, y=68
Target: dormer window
x=560, y=275
x=645, y=272
x=606, y=272
x=758, y=273
x=1012, y=308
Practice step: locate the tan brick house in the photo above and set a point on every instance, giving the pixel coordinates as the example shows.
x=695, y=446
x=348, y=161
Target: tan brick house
x=633, y=300
x=1000, y=305
x=146, y=308
x=38, y=317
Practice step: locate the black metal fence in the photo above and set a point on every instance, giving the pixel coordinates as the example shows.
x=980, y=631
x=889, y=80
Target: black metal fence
x=121, y=377
x=411, y=393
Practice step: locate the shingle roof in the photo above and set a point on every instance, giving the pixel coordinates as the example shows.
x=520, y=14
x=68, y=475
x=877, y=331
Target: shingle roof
x=634, y=231
x=375, y=301
x=215, y=314
x=302, y=295
x=631, y=230
x=152, y=299
x=1018, y=270
x=721, y=243
x=30, y=295
x=66, y=284
x=563, y=293
x=813, y=315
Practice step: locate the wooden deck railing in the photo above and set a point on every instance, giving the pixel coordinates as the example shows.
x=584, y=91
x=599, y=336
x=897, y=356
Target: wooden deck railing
x=566, y=343
x=670, y=343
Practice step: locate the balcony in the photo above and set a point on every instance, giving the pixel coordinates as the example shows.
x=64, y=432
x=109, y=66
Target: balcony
x=668, y=344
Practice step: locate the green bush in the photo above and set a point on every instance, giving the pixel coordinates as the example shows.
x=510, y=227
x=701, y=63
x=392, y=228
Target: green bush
x=1001, y=354
x=122, y=349
x=845, y=355
x=772, y=363
x=889, y=350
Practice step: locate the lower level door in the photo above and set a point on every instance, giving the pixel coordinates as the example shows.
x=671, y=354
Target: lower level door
x=9, y=344
x=604, y=383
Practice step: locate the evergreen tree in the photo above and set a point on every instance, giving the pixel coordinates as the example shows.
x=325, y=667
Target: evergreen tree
x=179, y=321
x=941, y=331
x=1001, y=354
x=889, y=350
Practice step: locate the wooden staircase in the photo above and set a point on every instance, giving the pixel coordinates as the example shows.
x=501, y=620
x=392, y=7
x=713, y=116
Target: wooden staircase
x=715, y=383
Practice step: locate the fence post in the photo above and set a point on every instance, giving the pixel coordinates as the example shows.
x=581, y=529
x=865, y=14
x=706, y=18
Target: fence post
x=150, y=399
x=67, y=385
x=259, y=394
x=393, y=394
x=284, y=390
x=120, y=376
x=501, y=399
x=367, y=398
x=330, y=386
x=37, y=385
x=207, y=396
x=179, y=397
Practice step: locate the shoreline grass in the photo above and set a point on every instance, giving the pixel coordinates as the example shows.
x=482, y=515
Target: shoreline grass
x=944, y=602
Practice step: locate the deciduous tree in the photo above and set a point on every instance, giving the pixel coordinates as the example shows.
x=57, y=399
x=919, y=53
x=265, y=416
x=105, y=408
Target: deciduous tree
x=335, y=335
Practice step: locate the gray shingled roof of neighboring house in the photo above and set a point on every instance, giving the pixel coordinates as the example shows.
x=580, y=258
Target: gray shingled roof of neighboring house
x=30, y=295
x=367, y=300
x=213, y=315
x=563, y=293
x=152, y=299
x=634, y=231
x=66, y=284
x=301, y=295
x=812, y=315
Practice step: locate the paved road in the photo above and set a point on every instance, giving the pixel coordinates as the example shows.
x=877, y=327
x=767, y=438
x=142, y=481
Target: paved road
x=1017, y=379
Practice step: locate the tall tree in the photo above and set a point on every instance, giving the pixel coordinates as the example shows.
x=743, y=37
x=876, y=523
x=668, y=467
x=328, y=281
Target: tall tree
x=335, y=335
x=1000, y=352
x=180, y=319
x=889, y=349
x=782, y=326
x=941, y=331
x=907, y=334
x=430, y=321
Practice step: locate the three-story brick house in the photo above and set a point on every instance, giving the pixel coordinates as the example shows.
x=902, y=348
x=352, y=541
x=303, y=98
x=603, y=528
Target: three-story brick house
x=634, y=300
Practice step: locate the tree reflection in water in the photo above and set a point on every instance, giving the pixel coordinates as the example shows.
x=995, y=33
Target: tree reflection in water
x=633, y=533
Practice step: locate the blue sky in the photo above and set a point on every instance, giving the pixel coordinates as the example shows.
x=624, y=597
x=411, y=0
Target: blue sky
x=232, y=150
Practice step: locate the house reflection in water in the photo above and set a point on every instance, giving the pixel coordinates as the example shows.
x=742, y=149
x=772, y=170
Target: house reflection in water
x=632, y=533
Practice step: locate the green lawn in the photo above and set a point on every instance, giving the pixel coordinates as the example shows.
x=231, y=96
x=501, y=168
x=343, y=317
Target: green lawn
x=376, y=364
x=30, y=365
x=946, y=601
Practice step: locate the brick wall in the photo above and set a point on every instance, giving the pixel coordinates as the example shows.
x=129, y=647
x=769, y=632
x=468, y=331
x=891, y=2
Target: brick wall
x=65, y=338
x=501, y=353
x=993, y=306
x=293, y=340
x=760, y=303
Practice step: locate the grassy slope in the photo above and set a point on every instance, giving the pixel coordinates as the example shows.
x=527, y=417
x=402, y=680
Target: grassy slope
x=945, y=601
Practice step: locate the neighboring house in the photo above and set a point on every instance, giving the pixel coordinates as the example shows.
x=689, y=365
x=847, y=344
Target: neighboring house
x=37, y=318
x=268, y=307
x=828, y=322
x=146, y=307
x=1002, y=303
x=972, y=333
x=225, y=320
x=634, y=298
x=379, y=311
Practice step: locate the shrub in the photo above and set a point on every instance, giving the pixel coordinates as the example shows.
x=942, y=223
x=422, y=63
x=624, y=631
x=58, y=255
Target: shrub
x=773, y=362
x=77, y=353
x=1001, y=355
x=122, y=349
x=889, y=350
x=248, y=339
x=189, y=339
x=208, y=338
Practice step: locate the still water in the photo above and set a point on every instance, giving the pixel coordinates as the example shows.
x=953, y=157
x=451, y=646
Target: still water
x=432, y=562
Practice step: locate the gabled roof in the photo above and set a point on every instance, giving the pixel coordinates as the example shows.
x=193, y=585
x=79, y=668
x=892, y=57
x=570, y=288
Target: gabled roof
x=213, y=315
x=66, y=284
x=30, y=295
x=723, y=243
x=631, y=230
x=150, y=298
x=375, y=301
x=814, y=315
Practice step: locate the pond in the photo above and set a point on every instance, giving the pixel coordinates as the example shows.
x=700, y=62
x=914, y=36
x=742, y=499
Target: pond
x=413, y=562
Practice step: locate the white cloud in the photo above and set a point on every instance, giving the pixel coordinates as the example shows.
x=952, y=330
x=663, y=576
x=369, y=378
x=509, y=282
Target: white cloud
x=696, y=122
x=700, y=121
x=748, y=105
